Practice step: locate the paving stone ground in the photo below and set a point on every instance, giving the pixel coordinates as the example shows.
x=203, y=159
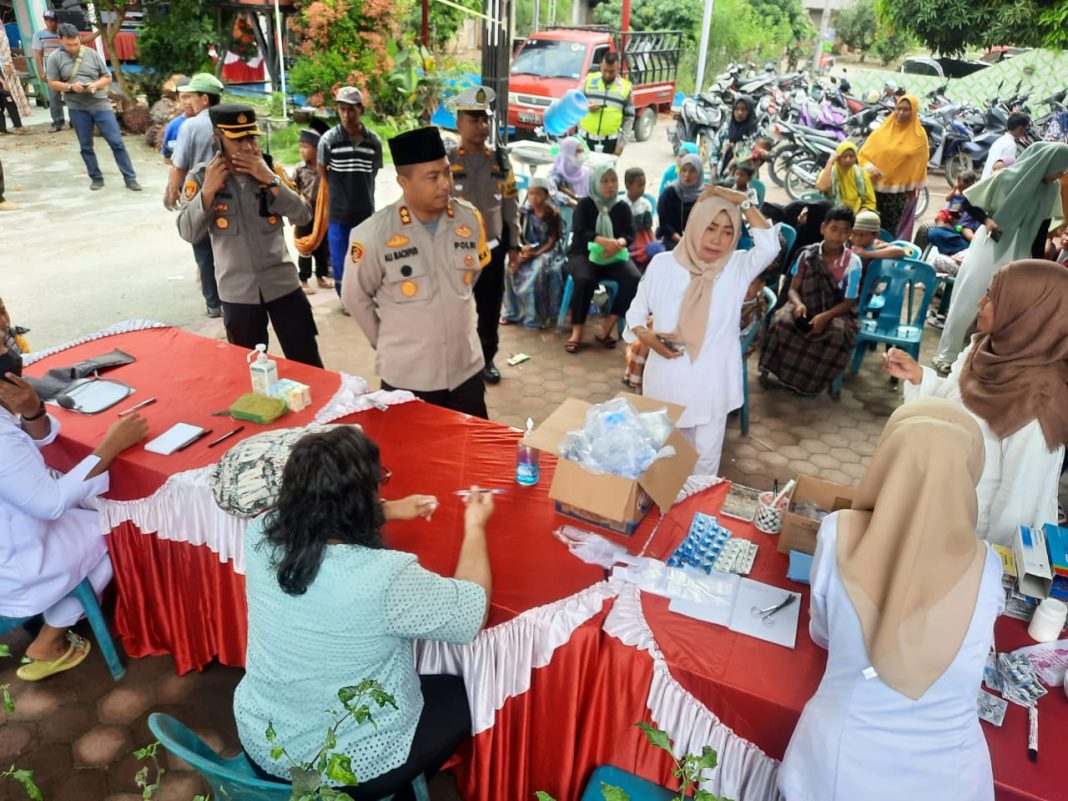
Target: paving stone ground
x=77, y=730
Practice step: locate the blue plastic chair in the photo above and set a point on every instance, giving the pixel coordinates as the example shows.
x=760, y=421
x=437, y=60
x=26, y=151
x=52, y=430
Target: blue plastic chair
x=789, y=234
x=769, y=295
x=636, y=788
x=235, y=778
x=611, y=287
x=885, y=236
x=900, y=279
x=761, y=190
x=85, y=595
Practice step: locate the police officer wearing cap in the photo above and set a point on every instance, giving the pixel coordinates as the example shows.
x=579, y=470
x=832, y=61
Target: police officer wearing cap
x=483, y=176
x=239, y=201
x=410, y=278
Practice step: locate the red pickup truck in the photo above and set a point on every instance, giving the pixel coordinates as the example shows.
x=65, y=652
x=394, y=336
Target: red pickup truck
x=552, y=61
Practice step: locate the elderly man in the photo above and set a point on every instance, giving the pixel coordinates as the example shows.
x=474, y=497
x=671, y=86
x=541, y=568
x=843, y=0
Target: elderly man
x=239, y=202
x=350, y=156
x=80, y=73
x=44, y=43
x=411, y=272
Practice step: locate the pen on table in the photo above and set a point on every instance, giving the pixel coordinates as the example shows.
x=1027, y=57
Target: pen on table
x=1032, y=733
x=137, y=406
x=226, y=436
x=490, y=491
x=195, y=439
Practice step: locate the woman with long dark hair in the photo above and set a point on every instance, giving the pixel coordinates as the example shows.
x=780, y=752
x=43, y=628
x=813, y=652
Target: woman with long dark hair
x=329, y=605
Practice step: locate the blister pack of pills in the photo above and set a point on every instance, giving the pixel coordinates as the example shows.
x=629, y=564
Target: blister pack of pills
x=736, y=556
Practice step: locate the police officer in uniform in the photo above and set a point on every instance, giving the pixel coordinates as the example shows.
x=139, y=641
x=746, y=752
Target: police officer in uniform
x=607, y=127
x=483, y=176
x=239, y=201
x=410, y=277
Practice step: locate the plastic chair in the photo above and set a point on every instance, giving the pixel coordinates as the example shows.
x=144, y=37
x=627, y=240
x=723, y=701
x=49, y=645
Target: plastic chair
x=912, y=250
x=747, y=340
x=234, y=778
x=789, y=234
x=636, y=788
x=761, y=190
x=611, y=287
x=900, y=278
x=87, y=597
x=885, y=236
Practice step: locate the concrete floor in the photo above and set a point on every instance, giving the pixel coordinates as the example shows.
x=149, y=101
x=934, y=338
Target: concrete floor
x=75, y=262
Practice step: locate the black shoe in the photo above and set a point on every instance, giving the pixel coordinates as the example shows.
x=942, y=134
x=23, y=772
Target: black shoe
x=97, y=184
x=57, y=128
x=491, y=374
x=133, y=186
x=214, y=312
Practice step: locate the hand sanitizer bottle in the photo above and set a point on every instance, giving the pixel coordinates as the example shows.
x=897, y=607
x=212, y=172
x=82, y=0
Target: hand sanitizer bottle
x=527, y=459
x=264, y=371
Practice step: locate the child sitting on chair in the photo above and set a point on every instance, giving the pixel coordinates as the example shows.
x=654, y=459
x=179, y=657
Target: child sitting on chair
x=954, y=226
x=866, y=242
x=811, y=338
x=533, y=288
x=642, y=211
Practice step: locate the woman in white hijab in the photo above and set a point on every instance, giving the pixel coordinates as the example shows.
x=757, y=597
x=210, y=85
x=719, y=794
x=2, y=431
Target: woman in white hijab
x=694, y=295
x=904, y=599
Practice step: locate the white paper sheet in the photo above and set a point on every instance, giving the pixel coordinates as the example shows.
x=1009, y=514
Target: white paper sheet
x=707, y=597
x=781, y=628
x=174, y=438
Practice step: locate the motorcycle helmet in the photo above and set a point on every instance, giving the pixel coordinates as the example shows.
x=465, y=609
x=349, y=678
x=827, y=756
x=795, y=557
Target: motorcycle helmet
x=872, y=97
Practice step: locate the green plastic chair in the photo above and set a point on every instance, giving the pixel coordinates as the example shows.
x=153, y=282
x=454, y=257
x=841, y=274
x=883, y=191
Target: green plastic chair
x=233, y=779
x=87, y=597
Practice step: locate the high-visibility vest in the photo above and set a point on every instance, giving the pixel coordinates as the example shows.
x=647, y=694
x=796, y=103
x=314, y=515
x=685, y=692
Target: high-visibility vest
x=608, y=119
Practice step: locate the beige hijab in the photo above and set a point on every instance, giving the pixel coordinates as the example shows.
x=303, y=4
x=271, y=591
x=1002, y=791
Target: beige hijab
x=1019, y=371
x=907, y=551
x=693, y=317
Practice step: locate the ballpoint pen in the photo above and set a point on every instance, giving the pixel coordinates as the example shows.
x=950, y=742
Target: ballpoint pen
x=137, y=406
x=490, y=491
x=226, y=436
x=197, y=438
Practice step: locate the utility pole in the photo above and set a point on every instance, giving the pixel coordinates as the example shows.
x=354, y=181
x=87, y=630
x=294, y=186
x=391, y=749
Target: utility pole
x=702, y=53
x=825, y=24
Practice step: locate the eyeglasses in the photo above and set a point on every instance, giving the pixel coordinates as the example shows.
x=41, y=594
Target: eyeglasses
x=384, y=476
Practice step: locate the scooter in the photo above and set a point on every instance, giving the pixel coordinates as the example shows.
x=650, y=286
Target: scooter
x=697, y=121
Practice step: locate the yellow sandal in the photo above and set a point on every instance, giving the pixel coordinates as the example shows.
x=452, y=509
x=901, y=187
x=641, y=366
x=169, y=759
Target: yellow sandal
x=36, y=670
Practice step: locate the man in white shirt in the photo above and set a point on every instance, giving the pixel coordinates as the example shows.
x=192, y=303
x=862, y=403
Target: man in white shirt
x=1007, y=147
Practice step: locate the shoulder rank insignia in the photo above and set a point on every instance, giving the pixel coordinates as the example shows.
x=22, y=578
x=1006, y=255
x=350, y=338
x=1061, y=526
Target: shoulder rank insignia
x=449, y=211
x=405, y=215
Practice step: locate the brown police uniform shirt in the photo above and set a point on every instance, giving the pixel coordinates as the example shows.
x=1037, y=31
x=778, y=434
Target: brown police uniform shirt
x=488, y=183
x=251, y=257
x=411, y=293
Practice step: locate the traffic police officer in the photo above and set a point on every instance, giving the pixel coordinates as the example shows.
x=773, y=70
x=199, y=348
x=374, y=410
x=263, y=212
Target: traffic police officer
x=607, y=127
x=483, y=176
x=410, y=276
x=239, y=201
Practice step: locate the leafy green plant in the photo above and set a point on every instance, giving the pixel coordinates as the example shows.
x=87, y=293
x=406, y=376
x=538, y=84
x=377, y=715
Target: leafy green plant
x=23, y=778
x=357, y=703
x=409, y=92
x=687, y=770
x=175, y=37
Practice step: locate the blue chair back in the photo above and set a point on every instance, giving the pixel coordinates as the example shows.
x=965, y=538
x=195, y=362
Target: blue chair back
x=885, y=236
x=761, y=190
x=789, y=233
x=912, y=250
x=636, y=788
x=229, y=778
x=747, y=341
x=900, y=321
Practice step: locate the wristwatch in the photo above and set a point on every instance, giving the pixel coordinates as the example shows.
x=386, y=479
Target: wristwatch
x=70, y=87
x=746, y=204
x=40, y=413
x=277, y=181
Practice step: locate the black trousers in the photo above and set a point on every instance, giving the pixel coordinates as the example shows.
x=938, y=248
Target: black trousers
x=601, y=145
x=291, y=316
x=7, y=102
x=468, y=398
x=321, y=256
x=587, y=275
x=489, y=292
x=444, y=724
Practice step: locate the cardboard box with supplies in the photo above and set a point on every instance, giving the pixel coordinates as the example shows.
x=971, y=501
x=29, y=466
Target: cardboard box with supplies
x=608, y=501
x=799, y=531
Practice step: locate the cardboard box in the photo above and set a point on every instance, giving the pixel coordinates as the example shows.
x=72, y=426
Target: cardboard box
x=799, y=532
x=1057, y=545
x=612, y=502
x=1032, y=562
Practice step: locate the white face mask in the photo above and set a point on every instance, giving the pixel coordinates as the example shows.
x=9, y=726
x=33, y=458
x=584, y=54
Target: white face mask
x=576, y=160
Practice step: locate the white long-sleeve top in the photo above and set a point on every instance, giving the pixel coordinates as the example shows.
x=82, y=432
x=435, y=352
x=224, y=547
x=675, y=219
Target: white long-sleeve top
x=1019, y=482
x=711, y=386
x=47, y=543
x=859, y=739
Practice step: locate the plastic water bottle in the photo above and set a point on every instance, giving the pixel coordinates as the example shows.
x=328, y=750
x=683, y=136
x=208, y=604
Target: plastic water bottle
x=527, y=460
x=264, y=371
x=565, y=113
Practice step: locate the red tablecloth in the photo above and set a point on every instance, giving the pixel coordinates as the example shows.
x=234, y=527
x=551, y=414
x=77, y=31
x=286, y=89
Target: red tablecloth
x=179, y=599
x=759, y=689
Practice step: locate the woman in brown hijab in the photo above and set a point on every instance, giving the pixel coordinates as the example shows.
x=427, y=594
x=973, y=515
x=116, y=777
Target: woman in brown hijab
x=1013, y=379
x=904, y=598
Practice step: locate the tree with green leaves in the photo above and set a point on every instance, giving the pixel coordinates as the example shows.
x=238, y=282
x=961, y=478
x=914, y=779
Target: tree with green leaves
x=175, y=37
x=858, y=26
x=951, y=26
